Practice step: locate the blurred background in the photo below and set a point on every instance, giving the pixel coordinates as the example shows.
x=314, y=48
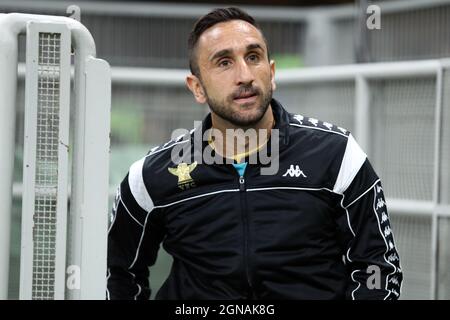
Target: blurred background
x=399, y=113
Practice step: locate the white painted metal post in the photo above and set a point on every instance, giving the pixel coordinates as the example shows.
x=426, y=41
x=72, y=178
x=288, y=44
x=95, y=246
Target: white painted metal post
x=436, y=182
x=29, y=169
x=82, y=165
x=9, y=32
x=94, y=221
x=362, y=112
x=319, y=36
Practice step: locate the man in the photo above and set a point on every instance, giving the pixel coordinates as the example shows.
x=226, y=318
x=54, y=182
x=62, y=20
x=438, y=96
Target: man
x=315, y=229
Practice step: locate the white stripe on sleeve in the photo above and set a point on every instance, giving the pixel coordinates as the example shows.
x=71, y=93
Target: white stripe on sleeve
x=137, y=186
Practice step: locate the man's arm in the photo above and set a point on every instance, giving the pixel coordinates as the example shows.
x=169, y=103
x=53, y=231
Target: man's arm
x=134, y=238
x=371, y=256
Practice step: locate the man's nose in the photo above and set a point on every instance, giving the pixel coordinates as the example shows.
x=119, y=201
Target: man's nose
x=244, y=74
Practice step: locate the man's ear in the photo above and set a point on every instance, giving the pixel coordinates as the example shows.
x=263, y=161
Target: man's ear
x=272, y=75
x=194, y=84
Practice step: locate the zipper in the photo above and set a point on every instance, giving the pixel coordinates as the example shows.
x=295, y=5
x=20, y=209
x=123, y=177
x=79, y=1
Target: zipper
x=242, y=190
x=241, y=183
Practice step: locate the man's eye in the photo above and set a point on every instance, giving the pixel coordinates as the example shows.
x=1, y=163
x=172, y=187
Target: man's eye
x=253, y=58
x=224, y=63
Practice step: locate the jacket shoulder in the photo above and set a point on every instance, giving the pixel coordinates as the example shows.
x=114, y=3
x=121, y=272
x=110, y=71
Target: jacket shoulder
x=163, y=152
x=309, y=123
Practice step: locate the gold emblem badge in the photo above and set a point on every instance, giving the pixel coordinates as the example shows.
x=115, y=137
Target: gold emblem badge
x=182, y=171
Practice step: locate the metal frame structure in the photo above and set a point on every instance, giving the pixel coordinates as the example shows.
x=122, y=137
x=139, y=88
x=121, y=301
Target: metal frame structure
x=319, y=22
x=89, y=185
x=45, y=75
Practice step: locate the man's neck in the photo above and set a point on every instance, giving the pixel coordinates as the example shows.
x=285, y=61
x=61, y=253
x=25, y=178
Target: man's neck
x=238, y=142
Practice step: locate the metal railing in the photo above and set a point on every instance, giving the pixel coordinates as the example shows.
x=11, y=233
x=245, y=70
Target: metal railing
x=47, y=104
x=410, y=30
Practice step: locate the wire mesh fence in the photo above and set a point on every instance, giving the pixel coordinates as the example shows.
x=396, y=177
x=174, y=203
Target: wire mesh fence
x=44, y=218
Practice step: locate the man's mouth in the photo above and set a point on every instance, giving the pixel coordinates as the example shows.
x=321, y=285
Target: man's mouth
x=247, y=97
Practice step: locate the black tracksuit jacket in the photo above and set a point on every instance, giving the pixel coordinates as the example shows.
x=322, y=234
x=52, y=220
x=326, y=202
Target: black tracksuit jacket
x=318, y=229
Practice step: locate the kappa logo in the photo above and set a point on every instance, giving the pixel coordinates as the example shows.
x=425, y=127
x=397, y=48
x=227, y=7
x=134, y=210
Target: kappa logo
x=391, y=245
x=387, y=231
x=379, y=189
x=313, y=121
x=328, y=125
x=393, y=257
x=394, y=280
x=294, y=172
x=299, y=118
x=380, y=203
x=182, y=171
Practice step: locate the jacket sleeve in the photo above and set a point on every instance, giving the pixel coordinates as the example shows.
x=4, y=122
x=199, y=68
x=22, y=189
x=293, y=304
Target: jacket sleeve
x=134, y=237
x=370, y=254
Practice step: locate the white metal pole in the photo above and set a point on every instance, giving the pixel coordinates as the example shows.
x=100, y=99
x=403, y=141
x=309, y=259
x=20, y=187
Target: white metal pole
x=370, y=71
x=319, y=36
x=8, y=85
x=435, y=216
x=77, y=209
x=362, y=105
x=95, y=193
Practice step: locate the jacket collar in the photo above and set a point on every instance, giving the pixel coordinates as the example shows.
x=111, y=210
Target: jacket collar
x=281, y=122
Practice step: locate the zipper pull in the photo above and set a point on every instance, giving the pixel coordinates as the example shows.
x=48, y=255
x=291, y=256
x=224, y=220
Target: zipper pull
x=241, y=183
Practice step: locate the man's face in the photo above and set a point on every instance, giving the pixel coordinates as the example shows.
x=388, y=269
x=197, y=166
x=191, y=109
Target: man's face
x=236, y=78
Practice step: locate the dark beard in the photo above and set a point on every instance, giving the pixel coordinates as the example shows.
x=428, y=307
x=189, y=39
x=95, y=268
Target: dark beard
x=220, y=107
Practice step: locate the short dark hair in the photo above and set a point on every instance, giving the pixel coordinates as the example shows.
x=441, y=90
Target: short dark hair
x=212, y=18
